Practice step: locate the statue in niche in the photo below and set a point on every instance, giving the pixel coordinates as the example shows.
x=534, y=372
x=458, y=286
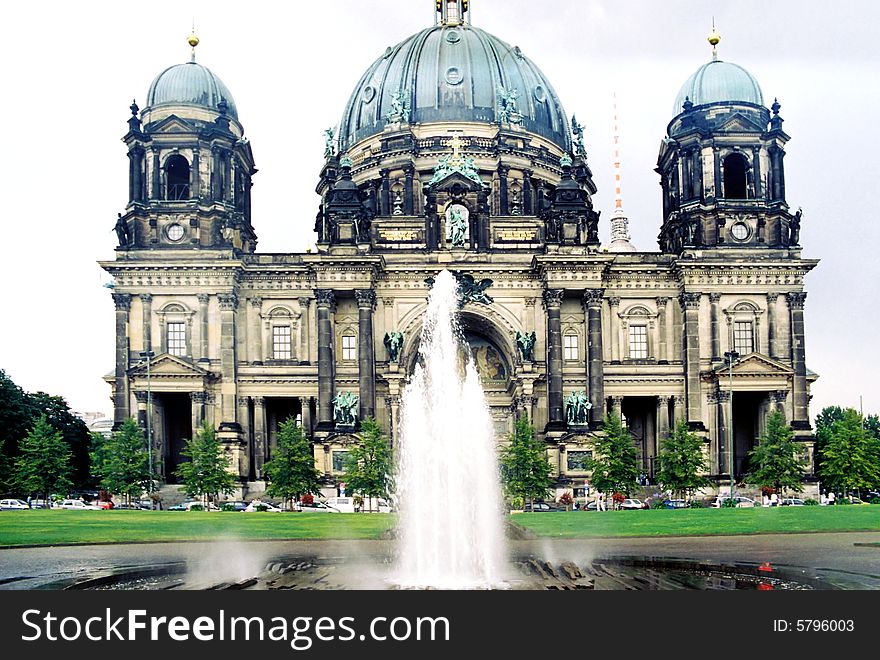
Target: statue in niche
x=458, y=226
x=123, y=233
x=345, y=409
x=393, y=343
x=794, y=230
x=398, y=203
x=526, y=345
x=577, y=409
x=329, y=143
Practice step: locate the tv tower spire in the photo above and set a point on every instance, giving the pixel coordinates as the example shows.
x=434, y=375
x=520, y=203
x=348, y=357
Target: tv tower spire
x=620, y=238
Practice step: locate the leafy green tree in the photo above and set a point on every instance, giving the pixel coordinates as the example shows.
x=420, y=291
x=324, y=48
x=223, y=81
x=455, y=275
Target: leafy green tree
x=206, y=474
x=824, y=421
x=292, y=472
x=43, y=464
x=525, y=471
x=74, y=431
x=851, y=457
x=122, y=461
x=368, y=470
x=615, y=467
x=775, y=460
x=15, y=419
x=681, y=462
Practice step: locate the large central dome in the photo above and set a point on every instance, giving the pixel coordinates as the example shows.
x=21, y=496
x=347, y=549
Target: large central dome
x=452, y=73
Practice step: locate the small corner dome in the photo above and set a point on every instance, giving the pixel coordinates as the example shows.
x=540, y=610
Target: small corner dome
x=719, y=82
x=189, y=84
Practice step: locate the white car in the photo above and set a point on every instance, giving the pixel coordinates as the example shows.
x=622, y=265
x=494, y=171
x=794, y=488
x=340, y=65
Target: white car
x=257, y=506
x=632, y=503
x=13, y=505
x=78, y=505
x=741, y=502
x=318, y=507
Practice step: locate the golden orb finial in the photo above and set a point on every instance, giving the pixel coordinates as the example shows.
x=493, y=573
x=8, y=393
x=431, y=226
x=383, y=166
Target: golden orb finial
x=714, y=39
x=192, y=40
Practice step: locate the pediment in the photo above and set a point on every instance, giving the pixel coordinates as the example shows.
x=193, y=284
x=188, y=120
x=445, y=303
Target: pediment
x=457, y=183
x=170, y=366
x=757, y=364
x=738, y=123
x=173, y=124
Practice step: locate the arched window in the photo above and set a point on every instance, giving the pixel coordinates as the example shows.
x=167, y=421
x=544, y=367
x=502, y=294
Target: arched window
x=177, y=178
x=735, y=177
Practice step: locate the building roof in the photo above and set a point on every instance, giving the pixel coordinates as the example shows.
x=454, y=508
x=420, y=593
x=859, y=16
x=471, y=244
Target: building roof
x=453, y=73
x=719, y=82
x=189, y=84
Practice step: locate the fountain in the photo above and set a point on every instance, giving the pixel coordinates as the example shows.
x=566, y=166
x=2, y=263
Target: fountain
x=451, y=529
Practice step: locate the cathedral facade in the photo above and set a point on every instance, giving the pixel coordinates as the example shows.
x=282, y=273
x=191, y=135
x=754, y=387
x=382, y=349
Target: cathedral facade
x=454, y=152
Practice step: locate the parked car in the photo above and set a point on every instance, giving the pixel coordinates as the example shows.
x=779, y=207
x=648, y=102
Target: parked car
x=13, y=505
x=741, y=501
x=342, y=504
x=188, y=506
x=539, y=507
x=318, y=507
x=235, y=505
x=631, y=504
x=258, y=506
x=78, y=505
x=41, y=504
x=791, y=501
x=675, y=504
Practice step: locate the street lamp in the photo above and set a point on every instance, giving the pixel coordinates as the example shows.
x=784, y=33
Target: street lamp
x=730, y=358
x=148, y=355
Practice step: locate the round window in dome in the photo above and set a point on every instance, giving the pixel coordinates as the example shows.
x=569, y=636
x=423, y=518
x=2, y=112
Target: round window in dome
x=740, y=231
x=540, y=94
x=175, y=232
x=369, y=94
x=453, y=36
x=453, y=75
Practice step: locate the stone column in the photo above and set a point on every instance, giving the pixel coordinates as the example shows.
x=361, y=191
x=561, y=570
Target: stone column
x=756, y=168
x=326, y=301
x=255, y=333
x=385, y=198
x=484, y=238
x=503, y=171
x=305, y=407
x=725, y=435
x=800, y=396
x=432, y=221
x=614, y=303
x=699, y=189
x=686, y=179
x=147, y=320
x=366, y=300
x=244, y=420
x=716, y=154
x=228, y=361
x=662, y=418
x=197, y=403
x=617, y=406
x=779, y=398
x=305, y=353
x=772, y=331
x=408, y=197
x=393, y=405
x=260, y=451
x=155, y=192
x=662, y=331
x=678, y=407
x=714, y=299
x=690, y=305
x=553, y=305
x=203, y=331
x=142, y=400
x=195, y=177
x=122, y=301
x=528, y=204
x=592, y=302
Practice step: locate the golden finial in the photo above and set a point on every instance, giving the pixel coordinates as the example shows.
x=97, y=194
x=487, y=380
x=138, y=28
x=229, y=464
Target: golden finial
x=193, y=41
x=714, y=39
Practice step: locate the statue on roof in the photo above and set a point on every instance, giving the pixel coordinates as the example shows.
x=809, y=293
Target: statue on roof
x=329, y=143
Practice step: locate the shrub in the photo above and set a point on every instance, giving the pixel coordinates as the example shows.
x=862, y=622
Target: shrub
x=658, y=504
x=197, y=507
x=729, y=503
x=811, y=502
x=517, y=503
x=566, y=499
x=841, y=501
x=261, y=507
x=618, y=498
x=695, y=504
x=308, y=498
x=227, y=507
x=874, y=500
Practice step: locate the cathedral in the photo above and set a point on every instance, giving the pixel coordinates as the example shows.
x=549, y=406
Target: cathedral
x=454, y=152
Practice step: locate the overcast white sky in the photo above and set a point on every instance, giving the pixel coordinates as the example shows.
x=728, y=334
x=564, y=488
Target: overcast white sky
x=70, y=71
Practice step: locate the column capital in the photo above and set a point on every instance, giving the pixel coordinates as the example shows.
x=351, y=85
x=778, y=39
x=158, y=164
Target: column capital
x=146, y=298
x=723, y=396
x=242, y=401
x=198, y=397
x=797, y=299
x=204, y=298
x=679, y=399
x=553, y=297
x=260, y=401
x=593, y=297
x=614, y=301
x=304, y=302
x=779, y=396
x=714, y=298
x=617, y=401
x=228, y=301
x=772, y=297
x=122, y=301
x=690, y=300
x=325, y=297
x=662, y=302
x=664, y=399
x=141, y=396
x=366, y=298
x=257, y=302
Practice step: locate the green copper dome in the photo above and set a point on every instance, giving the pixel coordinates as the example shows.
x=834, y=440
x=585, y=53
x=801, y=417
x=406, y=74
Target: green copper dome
x=453, y=73
x=190, y=84
x=719, y=82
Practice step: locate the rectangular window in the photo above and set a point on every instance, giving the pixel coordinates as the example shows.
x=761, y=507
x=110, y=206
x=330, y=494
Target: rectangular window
x=281, y=342
x=638, y=342
x=570, y=347
x=177, y=339
x=340, y=458
x=579, y=461
x=743, y=337
x=349, y=347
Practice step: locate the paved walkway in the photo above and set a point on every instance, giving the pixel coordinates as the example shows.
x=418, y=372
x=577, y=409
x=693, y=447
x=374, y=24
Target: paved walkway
x=34, y=568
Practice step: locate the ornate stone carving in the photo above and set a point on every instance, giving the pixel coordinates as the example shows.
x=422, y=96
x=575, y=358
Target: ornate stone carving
x=772, y=297
x=325, y=297
x=122, y=301
x=203, y=298
x=690, y=300
x=228, y=301
x=714, y=297
x=242, y=401
x=614, y=301
x=257, y=303
x=469, y=290
x=146, y=298
x=661, y=303
x=366, y=298
x=141, y=396
x=199, y=398
x=393, y=343
x=593, y=297
x=797, y=299
x=553, y=297
x=526, y=345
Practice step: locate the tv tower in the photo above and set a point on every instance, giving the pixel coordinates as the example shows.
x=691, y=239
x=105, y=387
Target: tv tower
x=620, y=238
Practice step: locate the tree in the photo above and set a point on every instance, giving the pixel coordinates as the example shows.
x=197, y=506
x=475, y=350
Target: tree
x=292, y=472
x=525, y=471
x=122, y=462
x=43, y=464
x=681, y=463
x=775, y=459
x=851, y=458
x=206, y=474
x=824, y=421
x=74, y=431
x=615, y=468
x=15, y=423
x=368, y=470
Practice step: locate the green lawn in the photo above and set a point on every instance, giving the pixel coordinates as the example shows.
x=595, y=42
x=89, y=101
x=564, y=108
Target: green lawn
x=702, y=522
x=58, y=527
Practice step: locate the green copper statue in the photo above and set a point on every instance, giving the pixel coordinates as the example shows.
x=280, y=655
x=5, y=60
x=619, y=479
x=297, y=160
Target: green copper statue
x=526, y=345
x=394, y=342
x=577, y=409
x=457, y=226
x=345, y=407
